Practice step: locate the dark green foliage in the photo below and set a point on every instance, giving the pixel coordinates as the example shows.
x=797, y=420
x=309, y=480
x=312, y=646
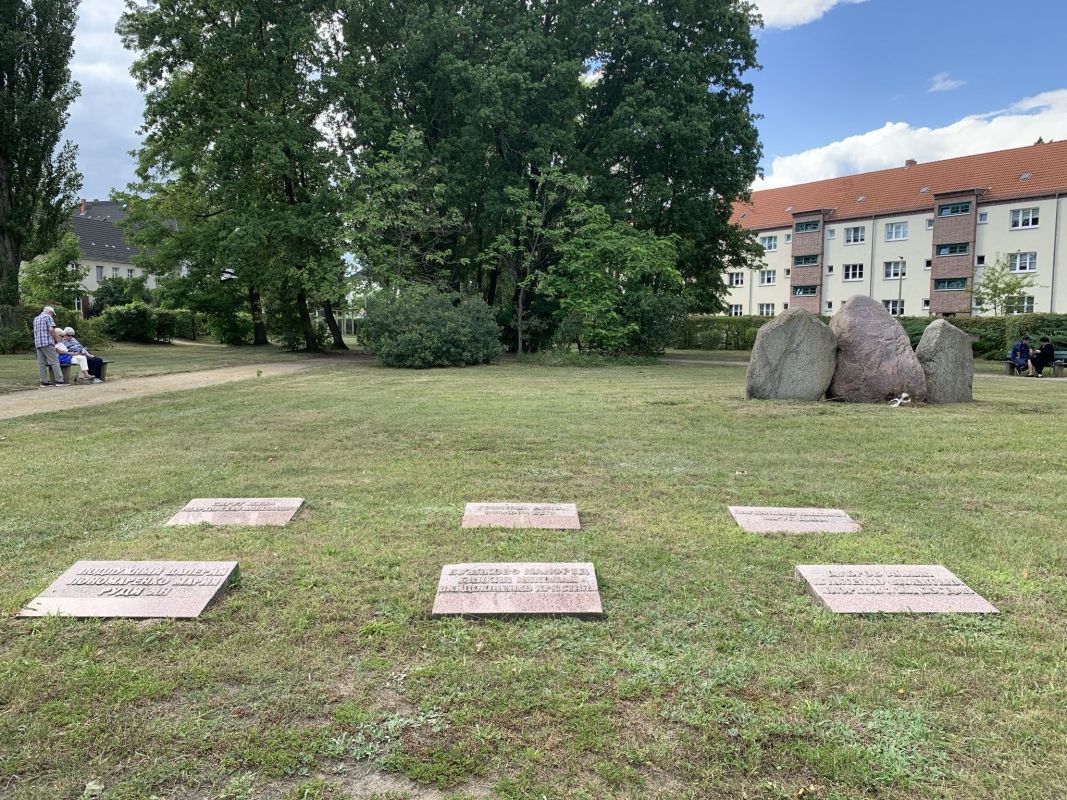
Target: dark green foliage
x=1054, y=326
x=420, y=327
x=121, y=292
x=134, y=322
x=233, y=328
x=54, y=278
x=16, y=328
x=990, y=332
x=283, y=325
x=721, y=333
x=15, y=340
x=38, y=176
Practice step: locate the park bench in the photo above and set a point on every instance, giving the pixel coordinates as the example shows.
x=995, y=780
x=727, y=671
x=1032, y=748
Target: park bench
x=103, y=370
x=1057, y=365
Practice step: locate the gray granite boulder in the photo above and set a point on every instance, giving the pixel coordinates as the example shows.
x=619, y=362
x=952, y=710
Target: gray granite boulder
x=945, y=355
x=793, y=359
x=875, y=361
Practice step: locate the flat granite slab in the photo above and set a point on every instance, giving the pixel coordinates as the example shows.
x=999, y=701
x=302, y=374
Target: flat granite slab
x=891, y=589
x=553, y=516
x=491, y=589
x=770, y=519
x=238, y=511
x=134, y=589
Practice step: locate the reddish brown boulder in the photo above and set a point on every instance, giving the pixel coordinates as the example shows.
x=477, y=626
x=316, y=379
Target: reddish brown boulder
x=875, y=362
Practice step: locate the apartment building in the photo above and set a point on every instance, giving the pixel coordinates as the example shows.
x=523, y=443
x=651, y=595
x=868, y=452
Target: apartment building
x=106, y=253
x=915, y=237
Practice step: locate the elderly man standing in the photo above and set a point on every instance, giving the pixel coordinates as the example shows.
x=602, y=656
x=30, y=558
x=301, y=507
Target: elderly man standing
x=44, y=339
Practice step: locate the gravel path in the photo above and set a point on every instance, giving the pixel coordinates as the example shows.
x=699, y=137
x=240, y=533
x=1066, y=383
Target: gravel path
x=60, y=398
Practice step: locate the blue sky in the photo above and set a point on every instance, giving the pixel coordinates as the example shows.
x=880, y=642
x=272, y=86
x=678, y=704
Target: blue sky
x=845, y=85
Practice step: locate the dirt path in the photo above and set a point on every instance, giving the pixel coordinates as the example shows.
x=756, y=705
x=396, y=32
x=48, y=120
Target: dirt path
x=59, y=398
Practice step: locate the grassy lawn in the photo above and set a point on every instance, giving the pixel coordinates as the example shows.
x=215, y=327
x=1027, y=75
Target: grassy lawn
x=712, y=675
x=19, y=372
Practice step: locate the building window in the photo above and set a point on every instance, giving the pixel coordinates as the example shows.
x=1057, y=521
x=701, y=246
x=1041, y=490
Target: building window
x=788, y=238
x=769, y=243
x=856, y=235
x=805, y=291
x=930, y=224
x=1024, y=218
x=99, y=273
x=735, y=279
x=805, y=261
x=979, y=261
x=896, y=231
x=829, y=305
x=787, y=271
x=766, y=309
x=926, y=304
x=829, y=269
x=894, y=307
x=894, y=270
x=129, y=273
x=785, y=306
x=983, y=217
x=768, y=277
x=807, y=227
x=77, y=304
x=831, y=233
x=950, y=284
x=114, y=272
x=953, y=209
x=929, y=263
x=958, y=249
x=1019, y=305
x=736, y=310
x=852, y=272
x=1022, y=262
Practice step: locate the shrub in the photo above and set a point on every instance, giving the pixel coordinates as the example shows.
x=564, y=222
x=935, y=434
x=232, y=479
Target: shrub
x=134, y=322
x=420, y=327
x=702, y=332
x=232, y=329
x=16, y=328
x=1054, y=326
x=185, y=326
x=15, y=340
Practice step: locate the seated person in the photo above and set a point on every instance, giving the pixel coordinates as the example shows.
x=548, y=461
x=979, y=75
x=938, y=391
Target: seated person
x=93, y=365
x=1042, y=357
x=1020, y=355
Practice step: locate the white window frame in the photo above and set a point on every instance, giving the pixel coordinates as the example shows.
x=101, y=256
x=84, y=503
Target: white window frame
x=929, y=223
x=829, y=305
x=983, y=218
x=896, y=231
x=735, y=279
x=856, y=234
x=853, y=270
x=769, y=243
x=950, y=206
x=736, y=310
x=1024, y=304
x=77, y=304
x=114, y=272
x=99, y=272
x=894, y=270
x=894, y=306
x=788, y=238
x=768, y=277
x=798, y=293
x=926, y=304
x=966, y=249
x=129, y=272
x=831, y=233
x=1022, y=262
x=766, y=310
x=1025, y=218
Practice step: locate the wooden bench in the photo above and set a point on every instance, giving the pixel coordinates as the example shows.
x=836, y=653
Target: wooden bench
x=1057, y=365
x=103, y=370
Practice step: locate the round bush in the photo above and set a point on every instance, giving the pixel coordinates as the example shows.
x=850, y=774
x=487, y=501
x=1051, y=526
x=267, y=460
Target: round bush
x=134, y=322
x=420, y=327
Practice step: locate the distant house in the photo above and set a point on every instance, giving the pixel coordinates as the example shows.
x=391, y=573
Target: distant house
x=106, y=253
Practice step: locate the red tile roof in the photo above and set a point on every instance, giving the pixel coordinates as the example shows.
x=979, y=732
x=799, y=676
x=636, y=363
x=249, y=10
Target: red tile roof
x=899, y=190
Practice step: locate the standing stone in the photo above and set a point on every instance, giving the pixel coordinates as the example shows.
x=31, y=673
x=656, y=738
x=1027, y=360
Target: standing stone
x=793, y=359
x=945, y=355
x=875, y=361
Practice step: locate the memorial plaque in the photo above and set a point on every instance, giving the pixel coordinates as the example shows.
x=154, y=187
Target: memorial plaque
x=769, y=519
x=134, y=589
x=238, y=511
x=555, y=516
x=891, y=589
x=517, y=588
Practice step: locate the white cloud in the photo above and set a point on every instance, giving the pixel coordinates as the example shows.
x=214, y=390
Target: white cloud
x=1043, y=115
x=790, y=13
x=941, y=82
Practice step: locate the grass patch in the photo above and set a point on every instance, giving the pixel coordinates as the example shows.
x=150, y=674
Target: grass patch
x=712, y=676
x=573, y=358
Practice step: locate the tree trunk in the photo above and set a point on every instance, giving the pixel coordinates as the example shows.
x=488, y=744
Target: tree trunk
x=490, y=293
x=9, y=251
x=259, y=327
x=518, y=319
x=331, y=323
x=310, y=344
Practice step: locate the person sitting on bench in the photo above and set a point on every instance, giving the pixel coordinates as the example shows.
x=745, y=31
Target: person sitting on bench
x=92, y=364
x=1020, y=355
x=1042, y=357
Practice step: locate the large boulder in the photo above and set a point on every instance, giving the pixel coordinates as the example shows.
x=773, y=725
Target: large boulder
x=792, y=359
x=944, y=352
x=875, y=361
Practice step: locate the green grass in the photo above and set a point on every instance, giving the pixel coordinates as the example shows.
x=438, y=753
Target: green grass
x=712, y=675
x=18, y=372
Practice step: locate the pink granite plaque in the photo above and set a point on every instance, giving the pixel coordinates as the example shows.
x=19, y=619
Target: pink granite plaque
x=555, y=516
x=238, y=511
x=769, y=519
x=891, y=589
x=517, y=588
x=134, y=589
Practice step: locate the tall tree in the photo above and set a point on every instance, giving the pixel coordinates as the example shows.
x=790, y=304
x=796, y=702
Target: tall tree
x=233, y=106
x=39, y=180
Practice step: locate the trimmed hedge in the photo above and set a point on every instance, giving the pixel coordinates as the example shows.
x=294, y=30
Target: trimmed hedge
x=704, y=332
x=16, y=328
x=134, y=322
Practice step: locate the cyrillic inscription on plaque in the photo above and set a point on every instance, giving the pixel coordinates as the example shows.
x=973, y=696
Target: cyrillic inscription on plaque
x=555, y=516
x=517, y=588
x=898, y=588
x=770, y=519
x=238, y=511
x=135, y=589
